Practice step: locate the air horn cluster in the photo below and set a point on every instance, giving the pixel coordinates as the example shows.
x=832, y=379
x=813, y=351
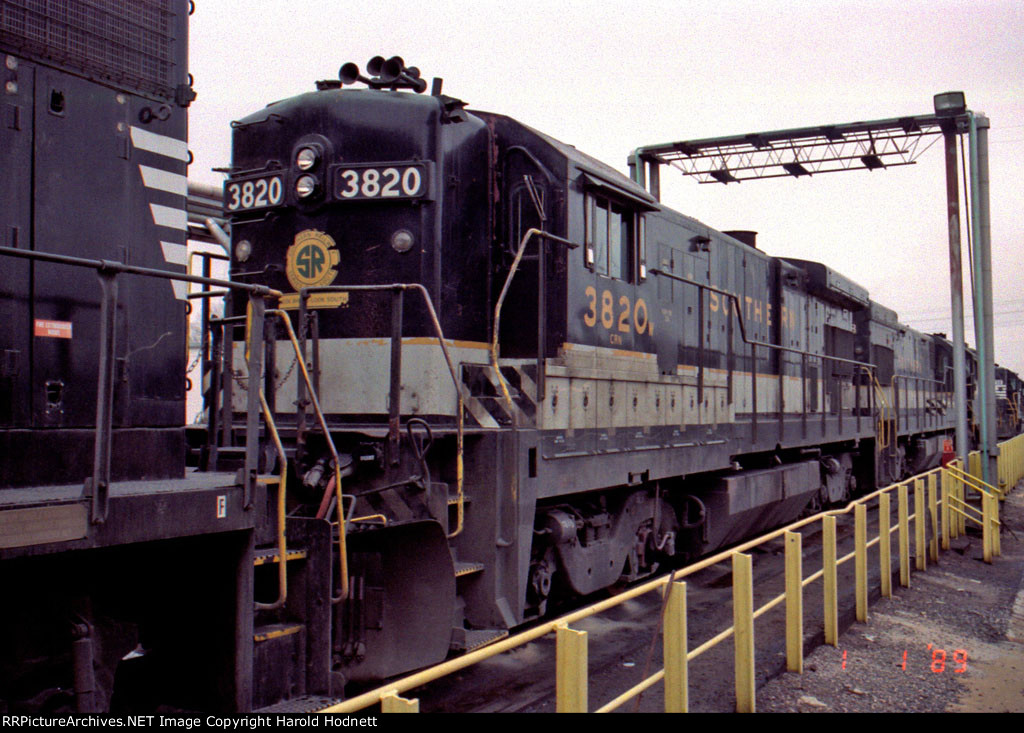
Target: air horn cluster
x=384, y=73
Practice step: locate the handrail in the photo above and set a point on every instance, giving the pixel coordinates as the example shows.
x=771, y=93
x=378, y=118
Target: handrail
x=971, y=480
x=204, y=320
x=529, y=234
x=112, y=266
x=397, y=287
x=884, y=419
x=924, y=486
x=97, y=486
x=738, y=311
x=282, y=542
x=511, y=642
x=342, y=547
x=918, y=379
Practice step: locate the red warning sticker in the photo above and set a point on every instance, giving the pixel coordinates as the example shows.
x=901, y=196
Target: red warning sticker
x=53, y=329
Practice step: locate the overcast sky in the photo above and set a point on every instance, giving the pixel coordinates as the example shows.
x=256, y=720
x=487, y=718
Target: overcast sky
x=608, y=77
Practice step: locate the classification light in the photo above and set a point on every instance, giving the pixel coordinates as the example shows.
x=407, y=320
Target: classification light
x=305, y=186
x=305, y=159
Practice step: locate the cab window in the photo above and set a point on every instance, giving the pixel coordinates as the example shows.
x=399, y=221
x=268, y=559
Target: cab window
x=615, y=240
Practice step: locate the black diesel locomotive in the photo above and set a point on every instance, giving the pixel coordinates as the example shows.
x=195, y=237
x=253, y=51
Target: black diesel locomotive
x=516, y=377
x=621, y=386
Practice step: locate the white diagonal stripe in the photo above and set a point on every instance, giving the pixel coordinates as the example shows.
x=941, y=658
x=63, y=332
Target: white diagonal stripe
x=164, y=180
x=160, y=144
x=180, y=289
x=166, y=216
x=175, y=254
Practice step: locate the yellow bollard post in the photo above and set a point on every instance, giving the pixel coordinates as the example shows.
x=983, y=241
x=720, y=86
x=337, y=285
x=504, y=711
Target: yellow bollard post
x=860, y=559
x=570, y=670
x=743, y=631
x=794, y=603
x=904, y=537
x=986, y=528
x=391, y=703
x=828, y=540
x=933, y=513
x=954, y=517
x=919, y=549
x=884, y=545
x=962, y=496
x=996, y=544
x=1014, y=462
x=675, y=650
x=998, y=530
x=944, y=489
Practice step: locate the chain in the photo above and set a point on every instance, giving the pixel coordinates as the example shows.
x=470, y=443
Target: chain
x=287, y=374
x=199, y=355
x=243, y=381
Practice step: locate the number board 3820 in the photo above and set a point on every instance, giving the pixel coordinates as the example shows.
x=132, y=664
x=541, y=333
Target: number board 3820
x=253, y=193
x=381, y=181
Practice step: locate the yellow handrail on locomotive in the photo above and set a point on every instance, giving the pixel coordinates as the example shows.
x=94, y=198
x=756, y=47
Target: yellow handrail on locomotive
x=343, y=561
x=342, y=548
x=459, y=472
x=1014, y=416
x=315, y=401
x=884, y=420
x=282, y=541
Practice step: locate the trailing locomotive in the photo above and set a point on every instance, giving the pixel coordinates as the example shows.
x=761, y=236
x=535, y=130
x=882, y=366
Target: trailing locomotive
x=467, y=372
x=1009, y=403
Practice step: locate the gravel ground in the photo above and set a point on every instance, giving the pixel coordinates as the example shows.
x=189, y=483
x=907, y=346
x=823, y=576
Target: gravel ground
x=962, y=609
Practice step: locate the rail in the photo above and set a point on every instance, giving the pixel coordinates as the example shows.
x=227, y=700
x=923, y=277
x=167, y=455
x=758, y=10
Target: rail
x=204, y=296
x=342, y=549
x=934, y=493
x=917, y=381
x=97, y=486
x=395, y=376
x=737, y=310
x=885, y=420
x=541, y=308
x=1011, y=462
x=282, y=540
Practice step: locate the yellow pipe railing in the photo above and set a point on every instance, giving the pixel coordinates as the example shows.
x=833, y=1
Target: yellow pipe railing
x=314, y=400
x=571, y=683
x=282, y=541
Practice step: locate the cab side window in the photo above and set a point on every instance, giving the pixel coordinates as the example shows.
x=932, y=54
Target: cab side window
x=615, y=240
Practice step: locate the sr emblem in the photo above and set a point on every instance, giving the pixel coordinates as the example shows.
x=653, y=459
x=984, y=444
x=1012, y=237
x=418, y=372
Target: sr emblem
x=312, y=260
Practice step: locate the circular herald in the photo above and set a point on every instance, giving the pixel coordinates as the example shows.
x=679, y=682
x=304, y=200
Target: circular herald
x=312, y=260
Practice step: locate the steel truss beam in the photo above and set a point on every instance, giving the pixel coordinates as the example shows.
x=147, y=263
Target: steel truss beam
x=800, y=151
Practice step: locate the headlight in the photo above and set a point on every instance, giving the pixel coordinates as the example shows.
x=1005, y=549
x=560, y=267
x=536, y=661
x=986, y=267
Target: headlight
x=242, y=250
x=305, y=186
x=402, y=240
x=305, y=159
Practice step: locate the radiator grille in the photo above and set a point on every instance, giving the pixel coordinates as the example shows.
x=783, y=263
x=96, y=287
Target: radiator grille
x=130, y=43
